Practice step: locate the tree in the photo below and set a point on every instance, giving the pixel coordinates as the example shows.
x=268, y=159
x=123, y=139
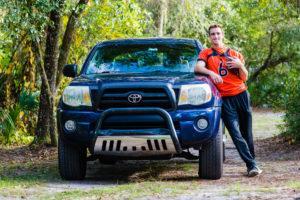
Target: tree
x=162, y=17
x=53, y=64
x=48, y=29
x=54, y=59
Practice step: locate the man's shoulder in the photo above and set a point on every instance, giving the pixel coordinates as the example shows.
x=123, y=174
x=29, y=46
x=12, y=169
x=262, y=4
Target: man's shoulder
x=233, y=52
x=207, y=50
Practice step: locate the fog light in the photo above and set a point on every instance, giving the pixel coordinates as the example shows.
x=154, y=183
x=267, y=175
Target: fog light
x=70, y=125
x=202, y=123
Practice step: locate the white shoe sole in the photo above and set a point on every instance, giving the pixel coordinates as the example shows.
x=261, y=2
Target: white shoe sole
x=254, y=173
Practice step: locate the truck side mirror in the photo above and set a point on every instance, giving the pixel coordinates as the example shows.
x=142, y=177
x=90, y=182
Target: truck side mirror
x=70, y=70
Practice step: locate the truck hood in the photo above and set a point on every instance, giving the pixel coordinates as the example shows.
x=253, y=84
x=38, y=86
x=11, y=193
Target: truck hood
x=174, y=78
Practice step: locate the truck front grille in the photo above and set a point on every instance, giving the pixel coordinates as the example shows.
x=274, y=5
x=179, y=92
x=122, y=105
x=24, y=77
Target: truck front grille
x=151, y=97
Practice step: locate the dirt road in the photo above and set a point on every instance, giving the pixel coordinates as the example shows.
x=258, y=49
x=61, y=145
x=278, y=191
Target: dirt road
x=174, y=179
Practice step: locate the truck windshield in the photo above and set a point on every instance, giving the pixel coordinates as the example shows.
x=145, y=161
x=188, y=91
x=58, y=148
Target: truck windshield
x=143, y=58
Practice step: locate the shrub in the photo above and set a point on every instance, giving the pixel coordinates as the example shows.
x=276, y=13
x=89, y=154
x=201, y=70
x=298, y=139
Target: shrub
x=12, y=119
x=290, y=101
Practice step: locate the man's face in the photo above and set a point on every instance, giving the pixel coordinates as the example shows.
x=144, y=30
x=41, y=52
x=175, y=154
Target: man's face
x=216, y=36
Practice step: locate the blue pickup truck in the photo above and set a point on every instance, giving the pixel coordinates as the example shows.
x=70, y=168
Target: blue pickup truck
x=140, y=99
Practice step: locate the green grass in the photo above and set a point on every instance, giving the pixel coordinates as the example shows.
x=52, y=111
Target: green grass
x=27, y=175
x=133, y=180
x=267, y=123
x=293, y=184
x=17, y=180
x=127, y=191
x=235, y=188
x=188, y=167
x=238, y=189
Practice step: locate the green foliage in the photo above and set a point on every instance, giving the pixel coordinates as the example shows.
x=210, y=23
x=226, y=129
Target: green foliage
x=104, y=20
x=264, y=91
x=21, y=21
x=265, y=32
x=28, y=100
x=7, y=124
x=11, y=121
x=24, y=17
x=290, y=101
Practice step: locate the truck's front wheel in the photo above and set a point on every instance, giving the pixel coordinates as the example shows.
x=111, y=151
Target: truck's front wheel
x=71, y=161
x=211, y=157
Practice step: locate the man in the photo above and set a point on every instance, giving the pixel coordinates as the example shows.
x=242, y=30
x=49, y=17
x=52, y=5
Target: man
x=226, y=69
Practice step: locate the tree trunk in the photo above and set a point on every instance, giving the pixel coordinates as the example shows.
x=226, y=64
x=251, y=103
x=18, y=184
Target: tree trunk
x=53, y=124
x=67, y=40
x=46, y=117
x=52, y=67
x=43, y=129
x=162, y=17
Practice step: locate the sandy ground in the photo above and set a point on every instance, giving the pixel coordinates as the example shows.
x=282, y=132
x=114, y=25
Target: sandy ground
x=279, y=161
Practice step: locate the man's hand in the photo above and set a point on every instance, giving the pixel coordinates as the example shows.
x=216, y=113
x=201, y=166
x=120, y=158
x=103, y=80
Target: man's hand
x=200, y=68
x=215, y=77
x=234, y=62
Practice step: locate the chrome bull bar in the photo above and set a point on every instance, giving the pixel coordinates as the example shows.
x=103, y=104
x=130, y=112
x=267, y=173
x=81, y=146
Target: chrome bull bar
x=135, y=145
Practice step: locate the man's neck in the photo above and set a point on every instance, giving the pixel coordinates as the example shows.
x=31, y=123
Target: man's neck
x=217, y=46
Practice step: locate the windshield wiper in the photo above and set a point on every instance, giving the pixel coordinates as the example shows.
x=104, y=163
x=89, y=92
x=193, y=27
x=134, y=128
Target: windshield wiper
x=106, y=72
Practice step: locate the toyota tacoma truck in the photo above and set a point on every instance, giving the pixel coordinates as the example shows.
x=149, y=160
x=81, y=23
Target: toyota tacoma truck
x=140, y=99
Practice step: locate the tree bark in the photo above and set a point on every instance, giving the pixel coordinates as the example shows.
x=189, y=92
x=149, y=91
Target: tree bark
x=42, y=132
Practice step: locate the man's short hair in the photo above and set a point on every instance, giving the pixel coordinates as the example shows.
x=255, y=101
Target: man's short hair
x=214, y=26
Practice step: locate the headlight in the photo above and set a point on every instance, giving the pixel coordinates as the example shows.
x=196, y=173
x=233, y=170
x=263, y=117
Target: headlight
x=77, y=96
x=194, y=94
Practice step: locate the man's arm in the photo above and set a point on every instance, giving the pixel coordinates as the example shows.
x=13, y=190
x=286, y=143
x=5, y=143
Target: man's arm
x=235, y=62
x=200, y=68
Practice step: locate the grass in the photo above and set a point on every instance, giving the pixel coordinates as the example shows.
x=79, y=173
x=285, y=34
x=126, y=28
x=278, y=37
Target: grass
x=20, y=181
x=235, y=188
x=238, y=189
x=266, y=123
x=127, y=191
x=293, y=184
x=28, y=175
x=39, y=179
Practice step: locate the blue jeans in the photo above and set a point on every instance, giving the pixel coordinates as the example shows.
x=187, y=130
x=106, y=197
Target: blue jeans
x=237, y=116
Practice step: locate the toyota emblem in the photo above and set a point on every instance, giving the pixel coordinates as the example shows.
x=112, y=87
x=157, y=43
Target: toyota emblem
x=134, y=98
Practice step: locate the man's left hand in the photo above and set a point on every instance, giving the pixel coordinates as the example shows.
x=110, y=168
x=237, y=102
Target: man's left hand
x=234, y=62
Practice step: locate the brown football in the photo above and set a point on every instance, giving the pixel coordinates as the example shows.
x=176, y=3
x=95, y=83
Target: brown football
x=234, y=71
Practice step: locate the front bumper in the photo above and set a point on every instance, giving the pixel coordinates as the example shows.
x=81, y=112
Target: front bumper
x=132, y=141
x=184, y=122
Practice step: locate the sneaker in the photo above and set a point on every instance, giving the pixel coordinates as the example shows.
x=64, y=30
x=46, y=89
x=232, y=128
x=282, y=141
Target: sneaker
x=254, y=171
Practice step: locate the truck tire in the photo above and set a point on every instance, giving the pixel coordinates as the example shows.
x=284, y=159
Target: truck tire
x=224, y=157
x=211, y=157
x=71, y=161
x=224, y=140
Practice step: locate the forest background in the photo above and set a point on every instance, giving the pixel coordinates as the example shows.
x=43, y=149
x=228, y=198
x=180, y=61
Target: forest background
x=38, y=37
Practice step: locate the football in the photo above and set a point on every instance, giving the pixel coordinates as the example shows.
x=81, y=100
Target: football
x=234, y=71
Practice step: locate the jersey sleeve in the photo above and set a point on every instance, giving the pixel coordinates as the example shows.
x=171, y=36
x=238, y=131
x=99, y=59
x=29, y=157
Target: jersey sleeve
x=202, y=56
x=240, y=56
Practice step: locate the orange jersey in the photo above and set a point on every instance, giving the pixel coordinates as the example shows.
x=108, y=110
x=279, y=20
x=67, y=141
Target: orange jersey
x=215, y=60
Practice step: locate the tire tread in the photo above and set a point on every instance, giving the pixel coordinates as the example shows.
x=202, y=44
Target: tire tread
x=211, y=157
x=71, y=161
